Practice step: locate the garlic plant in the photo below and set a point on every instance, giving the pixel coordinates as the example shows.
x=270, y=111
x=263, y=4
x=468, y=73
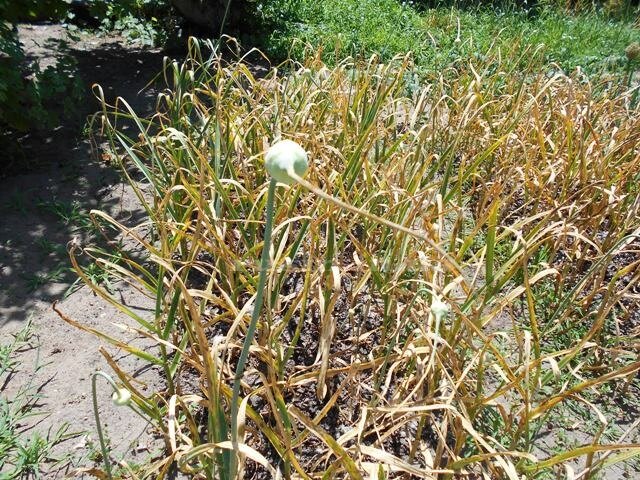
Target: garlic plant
x=121, y=397
x=283, y=159
x=528, y=222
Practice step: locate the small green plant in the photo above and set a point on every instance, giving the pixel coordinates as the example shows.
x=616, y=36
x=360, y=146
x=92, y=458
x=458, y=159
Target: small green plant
x=31, y=98
x=48, y=247
x=39, y=279
x=146, y=22
x=23, y=454
x=70, y=214
x=99, y=272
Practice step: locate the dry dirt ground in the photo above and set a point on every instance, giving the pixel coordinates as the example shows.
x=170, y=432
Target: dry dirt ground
x=40, y=212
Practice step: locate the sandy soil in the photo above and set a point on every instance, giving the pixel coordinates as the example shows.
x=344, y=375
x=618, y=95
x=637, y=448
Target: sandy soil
x=34, y=266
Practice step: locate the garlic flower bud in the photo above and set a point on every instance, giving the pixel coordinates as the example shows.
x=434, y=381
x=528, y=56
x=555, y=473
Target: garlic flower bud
x=283, y=157
x=632, y=51
x=439, y=308
x=121, y=397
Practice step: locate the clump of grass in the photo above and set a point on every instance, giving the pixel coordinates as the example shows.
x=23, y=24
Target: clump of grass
x=422, y=282
x=23, y=453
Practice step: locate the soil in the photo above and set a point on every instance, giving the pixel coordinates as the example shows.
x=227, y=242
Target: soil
x=40, y=213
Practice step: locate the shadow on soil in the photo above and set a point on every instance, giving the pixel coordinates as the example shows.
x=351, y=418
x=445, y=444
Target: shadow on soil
x=42, y=211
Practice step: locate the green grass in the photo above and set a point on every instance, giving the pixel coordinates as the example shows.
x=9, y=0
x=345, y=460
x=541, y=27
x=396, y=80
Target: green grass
x=47, y=247
x=24, y=453
x=57, y=273
x=97, y=271
x=68, y=213
x=76, y=220
x=441, y=38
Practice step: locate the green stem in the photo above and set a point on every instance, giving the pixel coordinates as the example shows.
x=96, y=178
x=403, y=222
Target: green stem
x=251, y=330
x=96, y=414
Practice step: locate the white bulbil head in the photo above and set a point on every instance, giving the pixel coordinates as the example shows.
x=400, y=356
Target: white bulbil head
x=285, y=156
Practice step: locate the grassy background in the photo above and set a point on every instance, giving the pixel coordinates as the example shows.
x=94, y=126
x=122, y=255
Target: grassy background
x=593, y=40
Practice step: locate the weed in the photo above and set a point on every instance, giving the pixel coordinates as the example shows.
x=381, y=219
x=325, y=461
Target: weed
x=48, y=247
x=36, y=280
x=101, y=268
x=69, y=213
x=444, y=39
x=17, y=202
x=22, y=455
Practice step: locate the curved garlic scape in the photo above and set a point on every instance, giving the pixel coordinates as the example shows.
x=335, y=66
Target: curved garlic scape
x=283, y=157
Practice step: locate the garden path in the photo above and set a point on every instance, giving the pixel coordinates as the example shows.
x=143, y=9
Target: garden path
x=40, y=213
